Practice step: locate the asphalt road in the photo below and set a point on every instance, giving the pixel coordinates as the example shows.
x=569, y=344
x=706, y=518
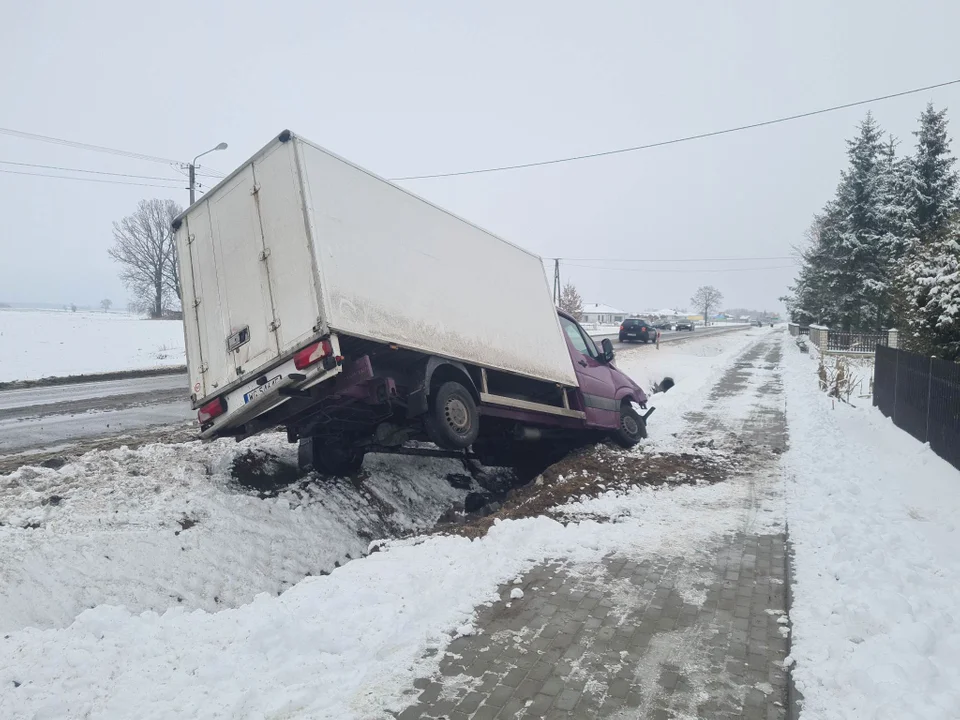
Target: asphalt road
x=667, y=336
x=60, y=415
x=45, y=419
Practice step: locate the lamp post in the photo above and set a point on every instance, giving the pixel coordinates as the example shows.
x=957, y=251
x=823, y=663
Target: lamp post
x=193, y=170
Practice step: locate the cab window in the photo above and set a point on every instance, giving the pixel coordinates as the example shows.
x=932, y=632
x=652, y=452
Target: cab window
x=581, y=342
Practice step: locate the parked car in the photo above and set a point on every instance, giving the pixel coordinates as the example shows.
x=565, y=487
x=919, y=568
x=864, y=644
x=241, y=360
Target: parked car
x=310, y=307
x=638, y=329
x=685, y=325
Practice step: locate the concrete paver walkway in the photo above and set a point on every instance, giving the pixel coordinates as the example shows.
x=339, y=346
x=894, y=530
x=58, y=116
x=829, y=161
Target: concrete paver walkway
x=700, y=636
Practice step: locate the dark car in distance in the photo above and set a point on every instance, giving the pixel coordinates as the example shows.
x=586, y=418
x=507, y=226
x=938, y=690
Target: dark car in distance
x=637, y=329
x=685, y=325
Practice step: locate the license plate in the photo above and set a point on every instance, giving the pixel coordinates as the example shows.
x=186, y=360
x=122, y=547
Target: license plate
x=262, y=389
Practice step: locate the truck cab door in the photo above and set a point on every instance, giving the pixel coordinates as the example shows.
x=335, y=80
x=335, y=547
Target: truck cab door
x=596, y=384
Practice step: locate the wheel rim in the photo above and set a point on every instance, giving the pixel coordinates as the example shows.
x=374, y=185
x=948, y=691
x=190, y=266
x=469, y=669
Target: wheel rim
x=457, y=416
x=630, y=425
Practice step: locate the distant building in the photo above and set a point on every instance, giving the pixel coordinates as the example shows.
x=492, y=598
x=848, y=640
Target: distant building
x=602, y=314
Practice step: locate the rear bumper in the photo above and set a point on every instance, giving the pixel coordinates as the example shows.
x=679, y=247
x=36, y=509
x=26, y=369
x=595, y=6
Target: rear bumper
x=241, y=409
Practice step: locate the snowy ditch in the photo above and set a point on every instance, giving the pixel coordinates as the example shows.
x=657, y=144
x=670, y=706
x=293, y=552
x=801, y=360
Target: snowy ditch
x=170, y=525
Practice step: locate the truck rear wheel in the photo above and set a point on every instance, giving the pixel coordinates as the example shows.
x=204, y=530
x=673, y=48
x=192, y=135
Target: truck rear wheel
x=453, y=421
x=328, y=458
x=632, y=428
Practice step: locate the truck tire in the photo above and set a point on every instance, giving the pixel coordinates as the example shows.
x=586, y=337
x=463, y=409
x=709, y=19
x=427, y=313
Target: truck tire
x=328, y=458
x=452, y=422
x=632, y=428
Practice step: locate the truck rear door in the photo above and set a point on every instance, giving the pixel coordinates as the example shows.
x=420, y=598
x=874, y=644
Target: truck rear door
x=249, y=281
x=596, y=383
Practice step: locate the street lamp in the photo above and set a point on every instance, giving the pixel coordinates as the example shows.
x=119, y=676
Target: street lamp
x=193, y=169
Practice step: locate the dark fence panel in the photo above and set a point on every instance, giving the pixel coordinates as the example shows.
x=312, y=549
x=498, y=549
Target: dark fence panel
x=922, y=395
x=944, y=421
x=885, y=379
x=913, y=394
x=803, y=330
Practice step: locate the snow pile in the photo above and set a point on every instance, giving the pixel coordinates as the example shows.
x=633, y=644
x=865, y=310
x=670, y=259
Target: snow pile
x=343, y=646
x=166, y=526
x=873, y=521
x=41, y=343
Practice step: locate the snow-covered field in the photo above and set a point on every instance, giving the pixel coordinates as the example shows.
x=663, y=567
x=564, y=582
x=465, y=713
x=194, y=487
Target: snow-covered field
x=42, y=343
x=873, y=520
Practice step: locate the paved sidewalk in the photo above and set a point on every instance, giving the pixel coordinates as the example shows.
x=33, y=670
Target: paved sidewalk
x=652, y=637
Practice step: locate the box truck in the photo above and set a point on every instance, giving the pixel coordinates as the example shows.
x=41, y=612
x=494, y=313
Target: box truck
x=321, y=298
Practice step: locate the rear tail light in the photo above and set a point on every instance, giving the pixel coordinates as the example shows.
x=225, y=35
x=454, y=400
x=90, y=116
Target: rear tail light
x=213, y=409
x=621, y=327
x=312, y=354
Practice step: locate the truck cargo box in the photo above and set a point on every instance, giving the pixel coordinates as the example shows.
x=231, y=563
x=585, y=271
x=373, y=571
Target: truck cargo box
x=299, y=243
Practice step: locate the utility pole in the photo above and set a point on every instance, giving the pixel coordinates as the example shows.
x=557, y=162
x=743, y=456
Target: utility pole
x=556, y=281
x=193, y=170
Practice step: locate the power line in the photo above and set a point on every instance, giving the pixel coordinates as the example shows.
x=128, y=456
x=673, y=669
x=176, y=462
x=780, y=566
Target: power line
x=708, y=259
x=686, y=270
x=81, y=170
x=85, y=179
x=686, y=138
x=86, y=146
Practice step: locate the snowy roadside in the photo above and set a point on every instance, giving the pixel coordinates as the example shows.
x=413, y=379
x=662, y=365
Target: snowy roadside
x=342, y=646
x=694, y=366
x=168, y=525
x=345, y=645
x=872, y=517
x=41, y=343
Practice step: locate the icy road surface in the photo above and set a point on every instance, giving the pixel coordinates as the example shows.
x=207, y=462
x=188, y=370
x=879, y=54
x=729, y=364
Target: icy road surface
x=45, y=417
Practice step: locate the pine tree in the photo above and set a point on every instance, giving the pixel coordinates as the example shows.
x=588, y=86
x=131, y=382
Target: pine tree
x=930, y=278
x=932, y=181
x=570, y=300
x=859, y=282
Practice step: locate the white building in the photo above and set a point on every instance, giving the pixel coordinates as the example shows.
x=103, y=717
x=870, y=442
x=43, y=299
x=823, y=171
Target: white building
x=602, y=314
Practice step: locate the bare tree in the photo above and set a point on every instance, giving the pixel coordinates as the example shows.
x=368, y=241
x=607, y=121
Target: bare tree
x=106, y=303
x=570, y=300
x=706, y=299
x=144, y=247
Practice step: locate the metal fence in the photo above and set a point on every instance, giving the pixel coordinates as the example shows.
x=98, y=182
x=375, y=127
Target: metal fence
x=922, y=395
x=855, y=342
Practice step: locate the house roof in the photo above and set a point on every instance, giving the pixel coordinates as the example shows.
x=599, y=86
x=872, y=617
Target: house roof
x=600, y=309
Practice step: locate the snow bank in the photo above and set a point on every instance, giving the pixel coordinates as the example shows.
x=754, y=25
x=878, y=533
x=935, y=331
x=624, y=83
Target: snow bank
x=872, y=517
x=166, y=525
x=41, y=343
x=347, y=645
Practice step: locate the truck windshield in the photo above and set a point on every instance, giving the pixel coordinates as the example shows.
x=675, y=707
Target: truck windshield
x=580, y=340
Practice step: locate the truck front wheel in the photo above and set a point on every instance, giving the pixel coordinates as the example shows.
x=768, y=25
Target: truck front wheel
x=632, y=428
x=328, y=458
x=453, y=421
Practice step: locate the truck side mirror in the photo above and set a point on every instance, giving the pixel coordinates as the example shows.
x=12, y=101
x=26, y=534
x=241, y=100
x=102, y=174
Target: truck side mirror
x=607, y=349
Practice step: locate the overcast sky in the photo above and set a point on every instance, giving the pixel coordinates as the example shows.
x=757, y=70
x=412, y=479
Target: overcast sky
x=423, y=87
